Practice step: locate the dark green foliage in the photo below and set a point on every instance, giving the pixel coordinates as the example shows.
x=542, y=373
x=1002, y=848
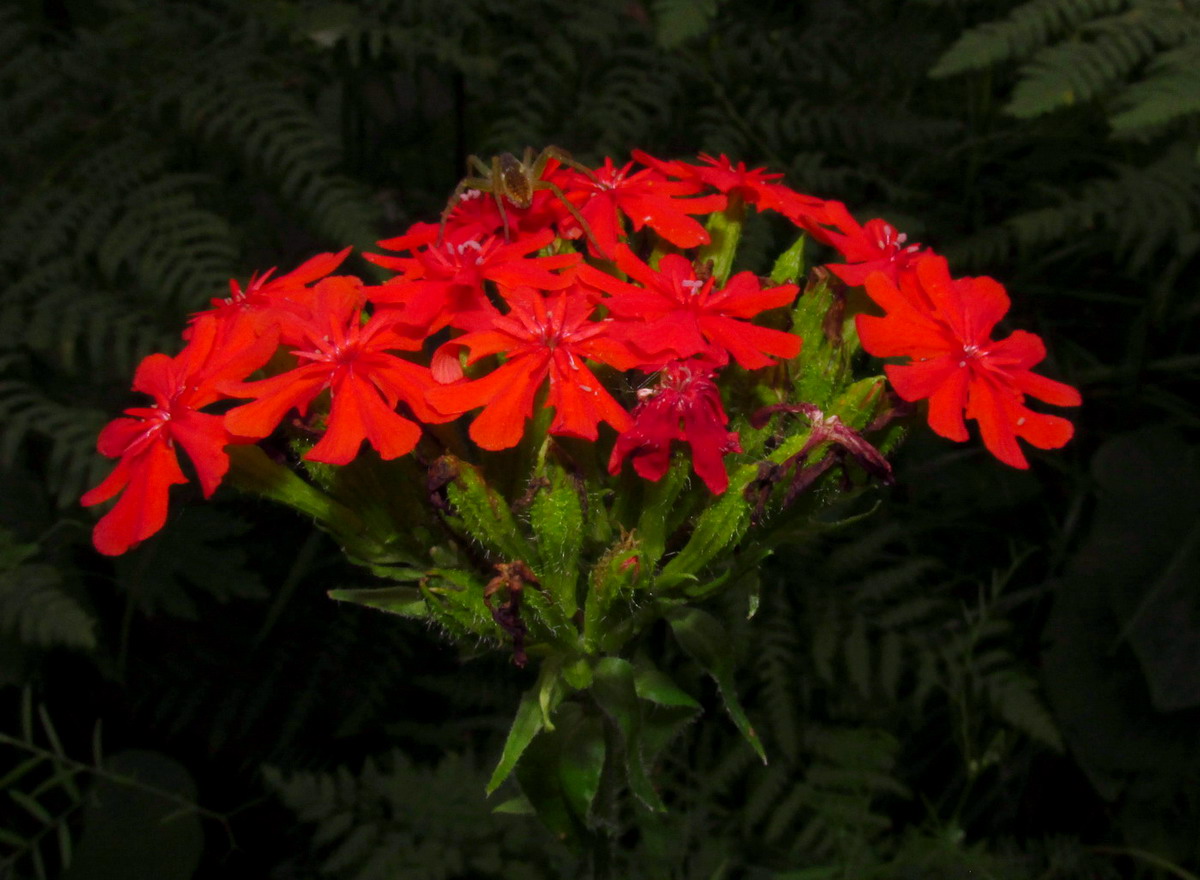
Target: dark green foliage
x=893, y=671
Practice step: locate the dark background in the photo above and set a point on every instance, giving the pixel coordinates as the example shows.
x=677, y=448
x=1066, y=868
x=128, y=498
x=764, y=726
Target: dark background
x=998, y=675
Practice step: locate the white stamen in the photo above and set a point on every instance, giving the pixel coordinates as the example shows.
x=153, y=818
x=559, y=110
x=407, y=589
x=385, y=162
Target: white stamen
x=692, y=286
x=470, y=245
x=1020, y=421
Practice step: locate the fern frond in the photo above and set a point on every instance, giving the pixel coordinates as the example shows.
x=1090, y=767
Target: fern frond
x=1169, y=91
x=69, y=431
x=34, y=607
x=1145, y=209
x=278, y=136
x=1028, y=28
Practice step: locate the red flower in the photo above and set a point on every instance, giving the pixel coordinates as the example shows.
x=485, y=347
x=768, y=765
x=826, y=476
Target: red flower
x=754, y=186
x=685, y=405
x=645, y=198
x=446, y=280
x=258, y=301
x=676, y=315
x=944, y=326
x=876, y=247
x=146, y=441
x=542, y=338
x=351, y=359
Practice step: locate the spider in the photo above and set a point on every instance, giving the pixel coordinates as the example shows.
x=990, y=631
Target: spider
x=513, y=180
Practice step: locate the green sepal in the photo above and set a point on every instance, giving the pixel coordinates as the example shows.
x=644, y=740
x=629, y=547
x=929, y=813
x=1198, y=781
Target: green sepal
x=614, y=574
x=661, y=511
x=725, y=234
x=856, y=406
x=615, y=692
x=829, y=343
x=720, y=525
x=556, y=516
x=454, y=599
x=790, y=266
x=486, y=515
x=534, y=710
x=706, y=642
x=405, y=601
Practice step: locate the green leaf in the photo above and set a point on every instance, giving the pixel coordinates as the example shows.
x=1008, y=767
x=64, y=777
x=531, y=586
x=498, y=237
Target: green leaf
x=706, y=642
x=405, y=601
x=517, y=806
x=655, y=687
x=581, y=762
x=615, y=692
x=790, y=265
x=526, y=725
x=659, y=509
x=31, y=806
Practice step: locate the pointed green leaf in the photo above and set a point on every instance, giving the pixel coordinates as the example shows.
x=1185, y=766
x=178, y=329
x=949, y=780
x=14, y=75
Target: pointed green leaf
x=517, y=806
x=654, y=686
x=9, y=838
x=615, y=693
x=660, y=510
x=526, y=724
x=790, y=266
x=405, y=601
x=20, y=770
x=706, y=642
x=31, y=806
x=582, y=762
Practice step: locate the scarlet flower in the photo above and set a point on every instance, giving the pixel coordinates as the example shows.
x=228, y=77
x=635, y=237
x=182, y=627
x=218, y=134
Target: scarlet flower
x=944, y=325
x=446, y=280
x=676, y=315
x=685, y=405
x=750, y=185
x=350, y=358
x=264, y=294
x=145, y=440
x=645, y=198
x=875, y=247
x=543, y=338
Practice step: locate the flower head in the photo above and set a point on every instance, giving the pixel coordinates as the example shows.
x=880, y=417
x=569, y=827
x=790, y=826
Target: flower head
x=684, y=405
x=146, y=439
x=944, y=326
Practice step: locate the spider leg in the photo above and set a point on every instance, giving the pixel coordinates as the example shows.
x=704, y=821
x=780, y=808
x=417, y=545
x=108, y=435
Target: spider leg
x=565, y=158
x=554, y=188
x=475, y=164
x=498, y=195
x=467, y=183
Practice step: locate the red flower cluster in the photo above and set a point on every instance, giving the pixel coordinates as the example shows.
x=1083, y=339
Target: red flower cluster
x=544, y=305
